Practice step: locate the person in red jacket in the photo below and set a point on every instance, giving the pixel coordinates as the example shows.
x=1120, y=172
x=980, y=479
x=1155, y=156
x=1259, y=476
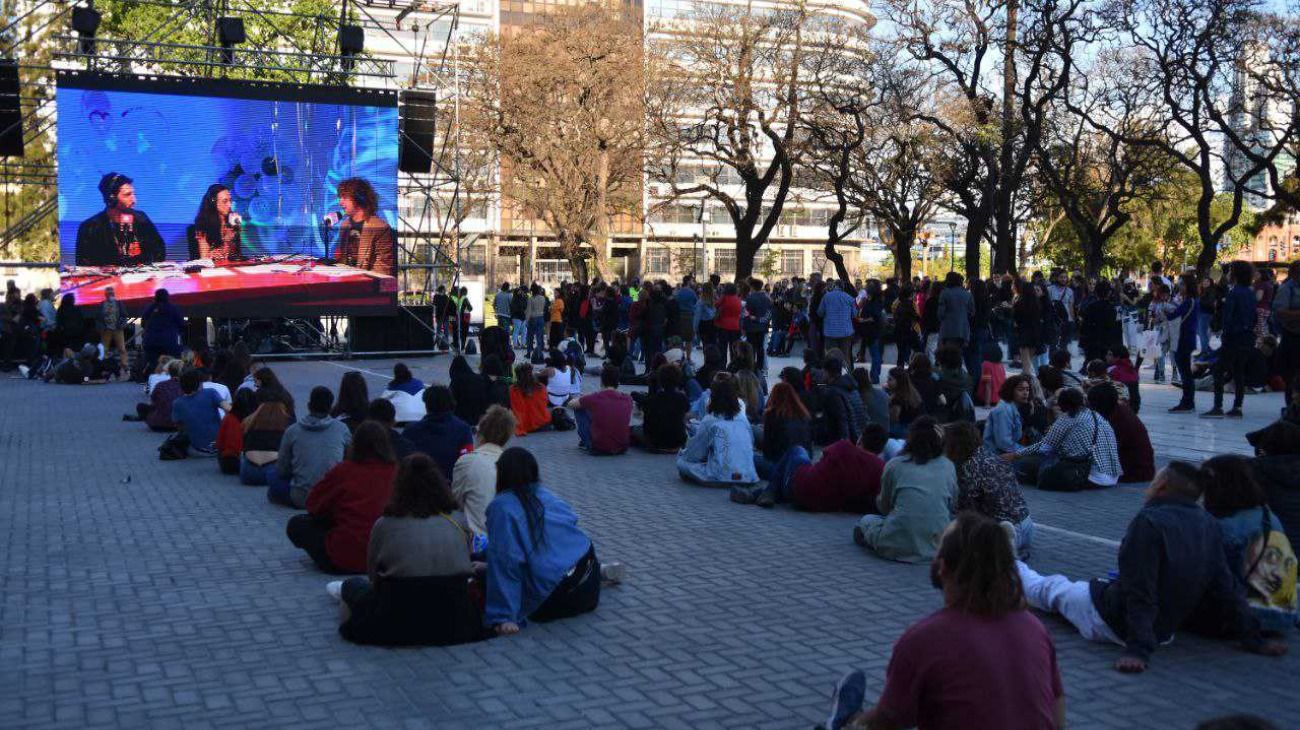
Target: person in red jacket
x=726, y=323
x=1137, y=459
x=344, y=504
x=845, y=479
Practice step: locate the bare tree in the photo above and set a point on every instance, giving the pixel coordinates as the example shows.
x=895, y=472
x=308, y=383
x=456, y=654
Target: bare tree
x=1189, y=56
x=992, y=129
x=562, y=103
x=724, y=93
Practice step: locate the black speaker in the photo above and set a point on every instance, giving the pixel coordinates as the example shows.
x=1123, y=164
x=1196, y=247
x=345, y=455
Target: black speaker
x=395, y=333
x=417, y=119
x=352, y=40
x=230, y=31
x=11, y=112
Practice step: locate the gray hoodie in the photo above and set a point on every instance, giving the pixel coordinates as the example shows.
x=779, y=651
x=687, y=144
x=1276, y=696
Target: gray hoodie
x=309, y=448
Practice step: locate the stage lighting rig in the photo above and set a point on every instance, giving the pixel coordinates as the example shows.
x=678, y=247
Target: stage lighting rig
x=85, y=21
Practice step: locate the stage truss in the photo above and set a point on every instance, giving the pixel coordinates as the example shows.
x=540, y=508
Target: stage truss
x=430, y=207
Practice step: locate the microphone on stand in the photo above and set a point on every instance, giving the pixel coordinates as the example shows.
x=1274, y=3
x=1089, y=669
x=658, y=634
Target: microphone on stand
x=332, y=217
x=127, y=221
x=329, y=221
x=234, y=220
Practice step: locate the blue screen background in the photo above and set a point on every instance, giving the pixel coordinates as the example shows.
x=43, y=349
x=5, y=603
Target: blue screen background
x=282, y=160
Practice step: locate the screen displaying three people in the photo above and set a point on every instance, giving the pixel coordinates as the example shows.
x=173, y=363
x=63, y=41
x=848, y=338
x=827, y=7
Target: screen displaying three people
x=293, y=201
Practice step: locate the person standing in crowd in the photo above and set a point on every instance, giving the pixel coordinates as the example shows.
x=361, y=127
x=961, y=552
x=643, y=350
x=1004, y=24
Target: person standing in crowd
x=757, y=321
x=1173, y=574
x=871, y=316
x=310, y=447
x=956, y=308
x=111, y=321
x=983, y=655
x=519, y=318
x=440, y=434
x=726, y=321
x=163, y=324
x=540, y=565
x=836, y=314
x=1182, y=333
x=535, y=314
x=687, y=303
x=1286, y=316
x=1238, y=341
x=556, y=320
x=1099, y=325
x=501, y=306
x=1026, y=319
x=1061, y=297
x=343, y=506
x=906, y=325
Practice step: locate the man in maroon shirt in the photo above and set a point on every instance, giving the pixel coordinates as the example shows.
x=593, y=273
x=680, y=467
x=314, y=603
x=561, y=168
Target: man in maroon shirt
x=604, y=418
x=982, y=661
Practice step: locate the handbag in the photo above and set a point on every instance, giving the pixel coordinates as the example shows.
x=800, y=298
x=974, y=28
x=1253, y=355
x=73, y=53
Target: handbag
x=1070, y=473
x=174, y=447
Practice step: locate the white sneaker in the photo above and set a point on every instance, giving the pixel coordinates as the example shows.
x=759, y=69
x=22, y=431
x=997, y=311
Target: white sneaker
x=24, y=370
x=335, y=589
x=612, y=572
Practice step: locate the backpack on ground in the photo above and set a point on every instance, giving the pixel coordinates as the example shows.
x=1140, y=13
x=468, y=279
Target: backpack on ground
x=174, y=447
x=561, y=420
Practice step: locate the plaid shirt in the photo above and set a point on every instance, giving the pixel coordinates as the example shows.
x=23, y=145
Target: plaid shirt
x=1072, y=436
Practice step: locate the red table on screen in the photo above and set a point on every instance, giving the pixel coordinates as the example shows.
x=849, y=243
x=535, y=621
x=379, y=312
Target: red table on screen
x=307, y=288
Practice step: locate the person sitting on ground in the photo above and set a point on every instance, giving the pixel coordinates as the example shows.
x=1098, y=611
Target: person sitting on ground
x=721, y=451
x=540, y=565
x=1137, y=460
x=157, y=413
x=918, y=495
x=1003, y=430
x=1099, y=377
x=874, y=398
x=1173, y=574
x=713, y=362
x=1120, y=368
x=986, y=484
x=700, y=407
x=440, y=434
x=469, y=390
x=195, y=413
x=230, y=436
x=845, y=412
x=344, y=504
x=383, y=412
x=905, y=403
x=1281, y=437
x=563, y=381
x=663, y=424
x=1078, y=452
x=845, y=479
x=404, y=381
x=786, y=425
x=474, y=478
x=1060, y=360
x=161, y=373
x=309, y=448
x=353, y=401
x=952, y=400
x=418, y=569
x=263, y=431
x=749, y=386
x=266, y=379
x=810, y=399
x=992, y=375
x=528, y=401
x=604, y=418
x=876, y=440
x=498, y=385
x=924, y=380
x=1259, y=553
x=983, y=655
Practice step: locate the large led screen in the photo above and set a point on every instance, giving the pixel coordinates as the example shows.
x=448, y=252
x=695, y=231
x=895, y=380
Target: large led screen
x=240, y=199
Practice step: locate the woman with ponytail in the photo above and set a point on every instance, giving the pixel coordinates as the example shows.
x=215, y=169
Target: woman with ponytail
x=540, y=565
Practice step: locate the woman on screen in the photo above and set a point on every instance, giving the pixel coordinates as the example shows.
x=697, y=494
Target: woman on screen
x=217, y=233
x=119, y=235
x=365, y=239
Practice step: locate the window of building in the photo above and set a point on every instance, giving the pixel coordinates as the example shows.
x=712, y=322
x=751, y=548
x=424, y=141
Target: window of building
x=792, y=263
x=724, y=261
x=475, y=263
x=658, y=260
x=819, y=262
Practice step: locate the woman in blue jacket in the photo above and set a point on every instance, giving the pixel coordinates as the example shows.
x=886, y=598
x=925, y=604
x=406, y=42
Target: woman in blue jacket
x=540, y=565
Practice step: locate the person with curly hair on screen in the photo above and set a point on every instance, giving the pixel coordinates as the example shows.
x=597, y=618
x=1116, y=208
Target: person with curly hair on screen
x=365, y=240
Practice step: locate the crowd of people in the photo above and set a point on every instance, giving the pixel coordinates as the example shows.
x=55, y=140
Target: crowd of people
x=458, y=538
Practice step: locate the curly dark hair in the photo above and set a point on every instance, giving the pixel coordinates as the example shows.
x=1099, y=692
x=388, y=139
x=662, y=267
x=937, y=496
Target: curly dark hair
x=420, y=489
x=924, y=441
x=361, y=192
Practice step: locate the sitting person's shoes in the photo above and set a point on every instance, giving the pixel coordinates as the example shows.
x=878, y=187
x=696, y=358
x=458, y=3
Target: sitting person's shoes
x=766, y=497
x=859, y=537
x=850, y=694
x=335, y=589
x=612, y=572
x=744, y=495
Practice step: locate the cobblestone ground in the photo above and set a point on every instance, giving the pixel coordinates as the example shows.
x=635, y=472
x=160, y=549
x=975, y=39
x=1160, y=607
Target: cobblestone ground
x=140, y=593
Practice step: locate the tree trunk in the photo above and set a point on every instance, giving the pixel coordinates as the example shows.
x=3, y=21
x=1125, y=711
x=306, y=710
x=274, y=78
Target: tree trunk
x=903, y=241
x=975, y=228
x=745, y=253
x=1004, y=245
x=1093, y=245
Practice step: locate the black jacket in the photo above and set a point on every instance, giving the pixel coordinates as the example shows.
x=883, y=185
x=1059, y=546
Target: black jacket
x=780, y=434
x=1173, y=574
x=96, y=245
x=846, y=415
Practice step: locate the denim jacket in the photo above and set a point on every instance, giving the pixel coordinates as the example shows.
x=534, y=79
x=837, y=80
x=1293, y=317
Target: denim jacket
x=1003, y=429
x=721, y=451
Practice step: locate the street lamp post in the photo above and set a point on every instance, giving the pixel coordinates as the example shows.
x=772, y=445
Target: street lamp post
x=703, y=238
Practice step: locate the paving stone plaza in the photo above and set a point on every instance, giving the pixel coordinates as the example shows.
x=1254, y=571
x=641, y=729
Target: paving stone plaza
x=138, y=593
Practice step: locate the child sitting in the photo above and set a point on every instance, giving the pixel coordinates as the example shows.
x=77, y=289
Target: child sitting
x=1122, y=371
x=992, y=376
